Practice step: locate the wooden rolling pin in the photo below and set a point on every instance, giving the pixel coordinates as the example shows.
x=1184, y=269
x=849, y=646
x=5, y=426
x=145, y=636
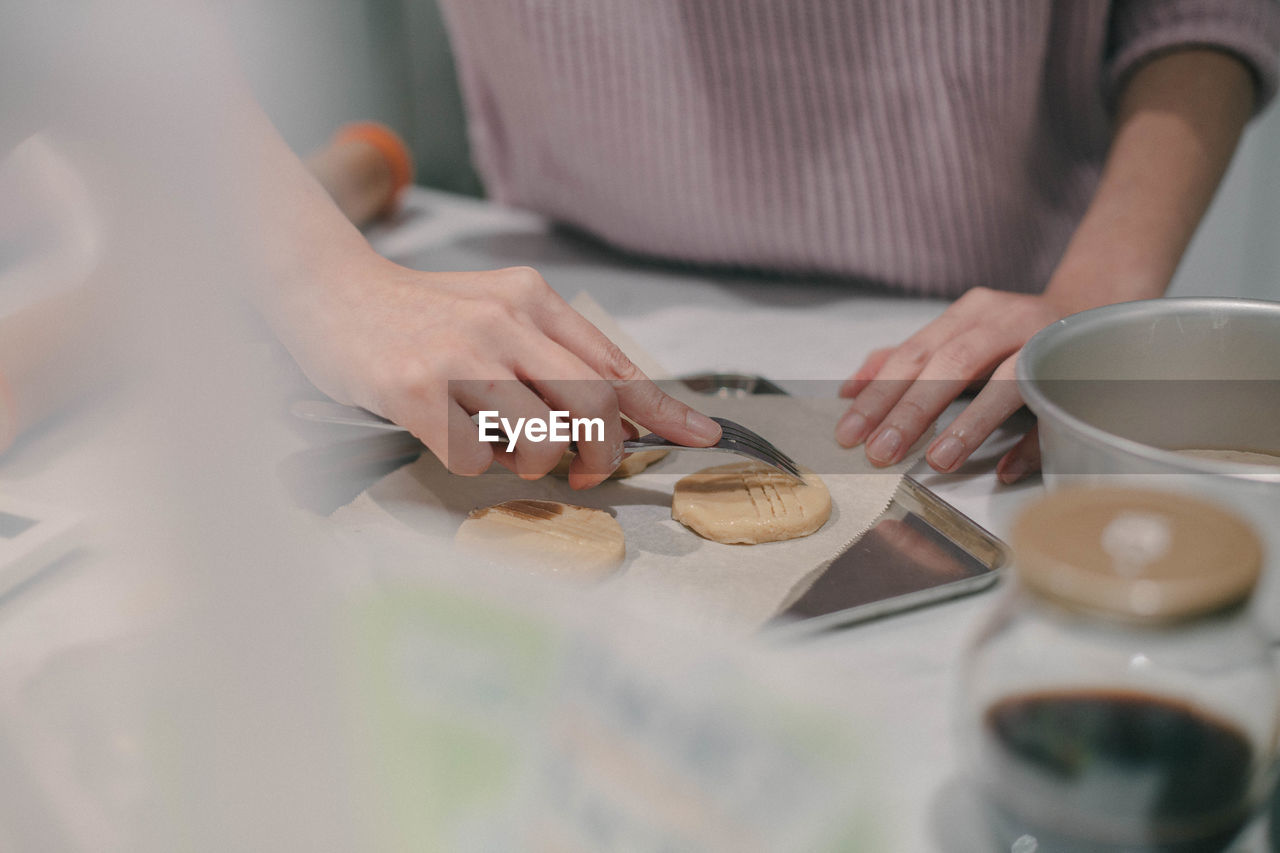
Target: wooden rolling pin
x=365, y=168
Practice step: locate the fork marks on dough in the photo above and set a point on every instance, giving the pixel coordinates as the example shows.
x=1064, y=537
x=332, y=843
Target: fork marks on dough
x=774, y=489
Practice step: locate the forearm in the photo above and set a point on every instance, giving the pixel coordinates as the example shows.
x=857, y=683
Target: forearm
x=1177, y=125
x=305, y=238
x=318, y=271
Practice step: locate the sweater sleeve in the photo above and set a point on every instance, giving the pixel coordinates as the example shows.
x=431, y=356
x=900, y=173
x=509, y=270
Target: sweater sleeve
x=1247, y=29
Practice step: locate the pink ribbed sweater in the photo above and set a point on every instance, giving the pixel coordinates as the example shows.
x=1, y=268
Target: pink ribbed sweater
x=927, y=145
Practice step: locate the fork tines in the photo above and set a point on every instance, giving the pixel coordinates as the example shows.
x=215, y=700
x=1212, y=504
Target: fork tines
x=735, y=436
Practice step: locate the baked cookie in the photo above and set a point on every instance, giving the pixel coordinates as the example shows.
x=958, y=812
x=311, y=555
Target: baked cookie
x=547, y=535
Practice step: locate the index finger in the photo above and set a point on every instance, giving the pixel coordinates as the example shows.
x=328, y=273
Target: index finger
x=638, y=396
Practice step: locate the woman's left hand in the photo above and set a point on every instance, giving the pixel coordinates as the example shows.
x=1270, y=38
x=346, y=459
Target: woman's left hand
x=898, y=392
x=1177, y=122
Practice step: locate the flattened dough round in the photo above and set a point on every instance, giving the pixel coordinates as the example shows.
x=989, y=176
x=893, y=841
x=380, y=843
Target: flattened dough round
x=749, y=503
x=547, y=535
x=632, y=463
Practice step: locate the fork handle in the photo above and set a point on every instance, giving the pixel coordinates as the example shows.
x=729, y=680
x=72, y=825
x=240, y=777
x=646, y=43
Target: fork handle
x=648, y=441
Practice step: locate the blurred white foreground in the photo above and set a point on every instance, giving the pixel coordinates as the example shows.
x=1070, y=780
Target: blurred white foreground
x=209, y=669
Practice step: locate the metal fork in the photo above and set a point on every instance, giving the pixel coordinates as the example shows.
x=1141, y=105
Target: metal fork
x=734, y=437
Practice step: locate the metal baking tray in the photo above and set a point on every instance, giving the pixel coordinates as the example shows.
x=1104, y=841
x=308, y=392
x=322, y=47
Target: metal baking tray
x=921, y=550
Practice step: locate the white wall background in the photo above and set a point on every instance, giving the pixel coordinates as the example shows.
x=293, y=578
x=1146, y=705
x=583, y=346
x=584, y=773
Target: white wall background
x=318, y=63
x=1237, y=250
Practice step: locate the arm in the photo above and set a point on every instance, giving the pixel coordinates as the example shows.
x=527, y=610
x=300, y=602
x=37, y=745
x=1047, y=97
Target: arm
x=147, y=100
x=1178, y=121
x=428, y=349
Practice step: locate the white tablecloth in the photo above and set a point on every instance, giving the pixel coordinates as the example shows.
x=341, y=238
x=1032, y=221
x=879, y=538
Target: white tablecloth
x=901, y=668
x=904, y=668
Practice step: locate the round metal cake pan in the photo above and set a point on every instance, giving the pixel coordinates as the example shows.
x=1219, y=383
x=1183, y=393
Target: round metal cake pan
x=1121, y=389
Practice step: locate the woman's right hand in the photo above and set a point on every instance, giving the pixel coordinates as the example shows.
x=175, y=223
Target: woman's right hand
x=430, y=349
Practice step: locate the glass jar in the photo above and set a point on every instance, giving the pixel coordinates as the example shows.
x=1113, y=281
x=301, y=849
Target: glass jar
x=1121, y=697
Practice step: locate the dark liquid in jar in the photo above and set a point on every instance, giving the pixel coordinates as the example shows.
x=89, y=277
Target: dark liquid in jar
x=1113, y=770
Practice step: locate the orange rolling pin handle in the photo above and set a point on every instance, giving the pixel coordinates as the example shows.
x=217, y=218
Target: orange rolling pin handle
x=392, y=148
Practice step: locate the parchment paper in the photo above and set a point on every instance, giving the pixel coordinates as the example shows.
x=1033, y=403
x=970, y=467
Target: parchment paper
x=737, y=585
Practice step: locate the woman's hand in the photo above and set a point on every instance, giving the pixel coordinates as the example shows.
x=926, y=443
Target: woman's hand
x=898, y=392
x=1177, y=123
x=429, y=349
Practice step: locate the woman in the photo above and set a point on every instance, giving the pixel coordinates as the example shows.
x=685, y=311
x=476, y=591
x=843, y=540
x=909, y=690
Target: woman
x=1030, y=159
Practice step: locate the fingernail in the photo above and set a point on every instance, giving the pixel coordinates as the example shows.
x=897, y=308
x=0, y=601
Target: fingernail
x=946, y=453
x=702, y=426
x=851, y=429
x=1014, y=471
x=883, y=447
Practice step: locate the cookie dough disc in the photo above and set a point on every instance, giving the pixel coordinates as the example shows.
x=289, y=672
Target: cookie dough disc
x=632, y=463
x=749, y=503
x=547, y=535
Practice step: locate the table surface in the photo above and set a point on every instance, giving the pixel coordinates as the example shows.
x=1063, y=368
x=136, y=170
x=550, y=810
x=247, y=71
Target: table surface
x=902, y=669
